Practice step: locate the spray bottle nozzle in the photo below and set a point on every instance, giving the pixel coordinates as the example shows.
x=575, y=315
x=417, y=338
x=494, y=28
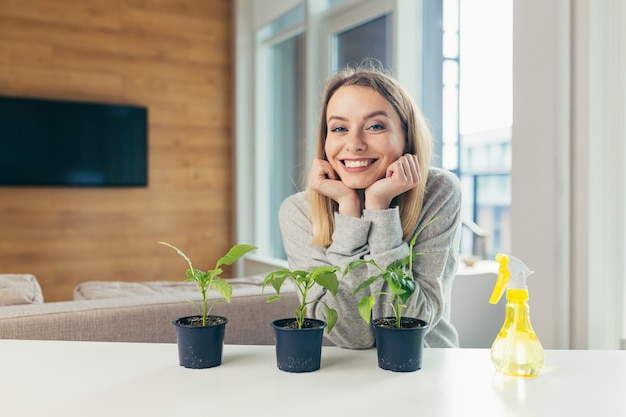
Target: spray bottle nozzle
x=512, y=273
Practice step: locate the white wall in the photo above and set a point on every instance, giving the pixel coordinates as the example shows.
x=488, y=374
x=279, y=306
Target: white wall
x=598, y=173
x=568, y=171
x=540, y=166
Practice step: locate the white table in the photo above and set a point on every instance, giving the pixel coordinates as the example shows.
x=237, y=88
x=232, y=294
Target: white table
x=45, y=378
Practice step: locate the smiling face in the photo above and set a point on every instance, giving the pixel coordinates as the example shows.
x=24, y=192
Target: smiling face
x=364, y=135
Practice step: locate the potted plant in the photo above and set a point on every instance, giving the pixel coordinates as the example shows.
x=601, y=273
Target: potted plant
x=399, y=339
x=200, y=338
x=299, y=339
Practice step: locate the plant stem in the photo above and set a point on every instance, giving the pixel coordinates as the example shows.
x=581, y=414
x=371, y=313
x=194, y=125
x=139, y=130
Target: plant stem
x=204, y=308
x=301, y=315
x=398, y=311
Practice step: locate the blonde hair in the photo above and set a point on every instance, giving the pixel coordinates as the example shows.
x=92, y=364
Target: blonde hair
x=418, y=142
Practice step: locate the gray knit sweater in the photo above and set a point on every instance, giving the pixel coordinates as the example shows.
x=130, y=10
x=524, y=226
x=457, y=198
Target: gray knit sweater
x=378, y=235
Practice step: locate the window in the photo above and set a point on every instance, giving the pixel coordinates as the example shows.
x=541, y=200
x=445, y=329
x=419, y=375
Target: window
x=280, y=127
x=477, y=117
x=298, y=49
x=368, y=40
x=287, y=150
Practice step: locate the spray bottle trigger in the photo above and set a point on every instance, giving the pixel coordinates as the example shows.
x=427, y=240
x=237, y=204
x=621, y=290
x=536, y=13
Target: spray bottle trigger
x=503, y=279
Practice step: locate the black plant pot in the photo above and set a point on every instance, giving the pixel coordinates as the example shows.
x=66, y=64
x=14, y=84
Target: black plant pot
x=200, y=346
x=399, y=349
x=298, y=350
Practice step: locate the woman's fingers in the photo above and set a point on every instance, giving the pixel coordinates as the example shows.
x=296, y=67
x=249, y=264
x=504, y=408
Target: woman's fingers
x=325, y=181
x=405, y=171
x=401, y=176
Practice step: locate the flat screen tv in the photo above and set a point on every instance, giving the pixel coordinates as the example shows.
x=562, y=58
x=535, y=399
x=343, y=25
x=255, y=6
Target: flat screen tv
x=68, y=143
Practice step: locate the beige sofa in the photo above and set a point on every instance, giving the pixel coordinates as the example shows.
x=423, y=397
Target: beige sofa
x=143, y=312
x=133, y=312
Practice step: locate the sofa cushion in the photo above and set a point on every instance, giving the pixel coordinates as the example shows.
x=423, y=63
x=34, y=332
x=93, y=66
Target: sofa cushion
x=18, y=289
x=93, y=290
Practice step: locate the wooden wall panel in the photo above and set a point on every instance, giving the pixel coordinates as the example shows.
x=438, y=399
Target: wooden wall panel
x=175, y=58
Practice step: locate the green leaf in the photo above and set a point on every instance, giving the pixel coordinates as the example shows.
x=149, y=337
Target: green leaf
x=274, y=298
x=277, y=282
x=275, y=279
x=234, y=254
x=366, y=283
x=365, y=307
x=223, y=287
x=269, y=278
x=180, y=252
x=396, y=266
x=302, y=278
x=355, y=264
x=198, y=275
x=325, y=269
x=408, y=285
x=329, y=281
x=331, y=318
x=211, y=274
x=393, y=280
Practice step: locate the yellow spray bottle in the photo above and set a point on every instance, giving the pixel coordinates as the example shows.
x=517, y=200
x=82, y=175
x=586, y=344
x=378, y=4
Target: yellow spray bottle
x=516, y=351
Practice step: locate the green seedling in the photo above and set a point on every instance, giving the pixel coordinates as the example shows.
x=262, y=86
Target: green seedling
x=398, y=277
x=325, y=276
x=211, y=278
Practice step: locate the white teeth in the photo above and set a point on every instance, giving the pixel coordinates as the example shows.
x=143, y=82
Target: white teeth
x=356, y=164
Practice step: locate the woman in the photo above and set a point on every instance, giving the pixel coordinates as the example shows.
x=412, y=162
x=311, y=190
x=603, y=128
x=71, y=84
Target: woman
x=370, y=188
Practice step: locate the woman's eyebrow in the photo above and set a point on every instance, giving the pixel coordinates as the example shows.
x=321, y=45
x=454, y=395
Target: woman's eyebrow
x=376, y=113
x=367, y=116
x=337, y=118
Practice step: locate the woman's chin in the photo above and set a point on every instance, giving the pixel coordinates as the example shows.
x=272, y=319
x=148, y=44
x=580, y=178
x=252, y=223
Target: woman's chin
x=356, y=184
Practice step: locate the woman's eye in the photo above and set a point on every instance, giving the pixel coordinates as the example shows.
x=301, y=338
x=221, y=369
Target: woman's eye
x=376, y=126
x=338, y=129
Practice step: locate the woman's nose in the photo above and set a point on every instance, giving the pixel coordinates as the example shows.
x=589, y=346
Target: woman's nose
x=355, y=141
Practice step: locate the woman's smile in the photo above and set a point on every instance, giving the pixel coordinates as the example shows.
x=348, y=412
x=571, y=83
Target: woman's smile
x=357, y=163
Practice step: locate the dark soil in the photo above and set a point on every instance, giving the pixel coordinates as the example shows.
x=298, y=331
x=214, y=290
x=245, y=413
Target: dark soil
x=306, y=325
x=405, y=322
x=194, y=321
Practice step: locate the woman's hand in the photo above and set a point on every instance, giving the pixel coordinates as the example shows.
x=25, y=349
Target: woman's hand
x=401, y=176
x=324, y=180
